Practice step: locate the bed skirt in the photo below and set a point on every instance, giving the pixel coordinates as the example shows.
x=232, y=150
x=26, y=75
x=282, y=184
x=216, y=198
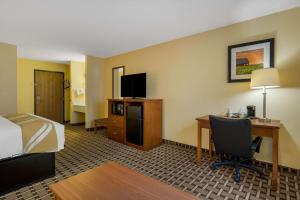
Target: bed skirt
x=23, y=170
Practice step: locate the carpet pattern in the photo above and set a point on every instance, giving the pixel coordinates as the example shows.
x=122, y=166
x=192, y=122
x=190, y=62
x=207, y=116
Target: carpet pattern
x=169, y=163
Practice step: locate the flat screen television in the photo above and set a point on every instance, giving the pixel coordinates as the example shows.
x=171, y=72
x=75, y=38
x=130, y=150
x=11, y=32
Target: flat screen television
x=133, y=85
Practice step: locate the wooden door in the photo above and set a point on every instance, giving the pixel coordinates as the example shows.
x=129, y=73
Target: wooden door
x=49, y=95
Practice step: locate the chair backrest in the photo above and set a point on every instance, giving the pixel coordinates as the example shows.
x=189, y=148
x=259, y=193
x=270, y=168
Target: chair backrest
x=231, y=136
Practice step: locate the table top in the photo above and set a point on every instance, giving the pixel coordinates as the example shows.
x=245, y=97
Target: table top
x=255, y=122
x=111, y=181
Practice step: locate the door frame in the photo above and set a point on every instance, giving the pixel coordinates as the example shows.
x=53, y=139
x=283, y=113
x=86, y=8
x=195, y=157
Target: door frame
x=113, y=78
x=34, y=86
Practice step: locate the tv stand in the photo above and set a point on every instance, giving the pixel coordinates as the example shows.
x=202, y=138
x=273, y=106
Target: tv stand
x=148, y=123
x=128, y=98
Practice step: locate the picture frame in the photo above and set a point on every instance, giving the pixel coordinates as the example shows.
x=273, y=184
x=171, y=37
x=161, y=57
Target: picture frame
x=246, y=57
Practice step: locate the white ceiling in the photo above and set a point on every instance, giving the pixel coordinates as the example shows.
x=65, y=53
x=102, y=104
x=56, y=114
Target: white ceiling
x=63, y=30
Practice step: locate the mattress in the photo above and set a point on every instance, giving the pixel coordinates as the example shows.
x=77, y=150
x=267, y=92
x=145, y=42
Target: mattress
x=11, y=137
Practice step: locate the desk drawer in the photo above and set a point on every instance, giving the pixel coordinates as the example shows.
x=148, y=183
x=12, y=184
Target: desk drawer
x=116, y=133
x=264, y=132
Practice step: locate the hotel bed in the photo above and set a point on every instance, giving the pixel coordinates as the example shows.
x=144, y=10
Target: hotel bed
x=27, y=149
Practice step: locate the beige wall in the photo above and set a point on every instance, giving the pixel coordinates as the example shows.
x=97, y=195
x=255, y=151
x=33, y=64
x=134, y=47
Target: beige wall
x=190, y=75
x=8, y=78
x=25, y=74
x=77, y=78
x=94, y=90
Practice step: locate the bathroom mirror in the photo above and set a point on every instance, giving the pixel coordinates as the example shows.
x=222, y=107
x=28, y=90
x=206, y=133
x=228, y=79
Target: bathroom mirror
x=117, y=72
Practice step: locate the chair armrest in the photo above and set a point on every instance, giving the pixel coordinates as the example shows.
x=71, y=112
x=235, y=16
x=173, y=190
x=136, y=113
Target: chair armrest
x=255, y=146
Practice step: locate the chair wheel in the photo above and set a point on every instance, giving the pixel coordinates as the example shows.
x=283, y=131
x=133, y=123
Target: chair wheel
x=262, y=176
x=213, y=167
x=237, y=178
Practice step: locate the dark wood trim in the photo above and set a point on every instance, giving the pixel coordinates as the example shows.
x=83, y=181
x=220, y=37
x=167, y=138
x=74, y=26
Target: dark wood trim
x=90, y=129
x=34, y=86
x=20, y=171
x=77, y=124
x=113, y=79
x=93, y=129
x=186, y=146
x=271, y=41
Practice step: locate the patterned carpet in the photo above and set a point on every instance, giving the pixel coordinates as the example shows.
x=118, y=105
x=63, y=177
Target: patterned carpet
x=169, y=163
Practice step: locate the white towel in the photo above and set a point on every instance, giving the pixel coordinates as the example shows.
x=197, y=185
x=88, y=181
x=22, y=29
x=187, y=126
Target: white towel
x=79, y=91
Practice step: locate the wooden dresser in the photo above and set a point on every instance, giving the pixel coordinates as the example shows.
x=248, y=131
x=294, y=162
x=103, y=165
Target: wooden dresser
x=152, y=121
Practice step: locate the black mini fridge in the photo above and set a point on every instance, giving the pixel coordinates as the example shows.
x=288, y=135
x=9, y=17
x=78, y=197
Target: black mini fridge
x=134, y=125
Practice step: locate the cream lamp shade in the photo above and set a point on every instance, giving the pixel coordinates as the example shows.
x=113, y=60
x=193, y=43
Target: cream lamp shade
x=265, y=78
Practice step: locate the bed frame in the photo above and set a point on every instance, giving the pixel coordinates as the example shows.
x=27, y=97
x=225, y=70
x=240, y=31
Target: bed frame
x=23, y=170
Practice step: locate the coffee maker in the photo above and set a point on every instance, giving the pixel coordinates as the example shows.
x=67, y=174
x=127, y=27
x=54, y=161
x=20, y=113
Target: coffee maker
x=251, y=111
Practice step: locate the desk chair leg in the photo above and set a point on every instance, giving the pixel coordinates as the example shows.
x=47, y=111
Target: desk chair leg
x=237, y=165
x=237, y=177
x=216, y=165
x=253, y=168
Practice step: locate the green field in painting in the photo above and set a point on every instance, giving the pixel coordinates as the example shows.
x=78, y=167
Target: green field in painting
x=247, y=69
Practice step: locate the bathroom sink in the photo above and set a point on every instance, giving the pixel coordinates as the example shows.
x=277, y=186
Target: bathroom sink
x=79, y=108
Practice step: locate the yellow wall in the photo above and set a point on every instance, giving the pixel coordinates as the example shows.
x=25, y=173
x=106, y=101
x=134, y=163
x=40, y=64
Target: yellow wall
x=25, y=76
x=190, y=75
x=77, y=78
x=8, y=78
x=94, y=89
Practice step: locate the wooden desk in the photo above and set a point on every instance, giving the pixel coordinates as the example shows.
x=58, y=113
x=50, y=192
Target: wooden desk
x=112, y=181
x=264, y=129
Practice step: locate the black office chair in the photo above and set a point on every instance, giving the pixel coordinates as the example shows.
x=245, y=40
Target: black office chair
x=233, y=142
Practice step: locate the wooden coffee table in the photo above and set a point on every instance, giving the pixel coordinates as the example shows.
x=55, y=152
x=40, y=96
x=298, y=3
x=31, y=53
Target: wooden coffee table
x=112, y=181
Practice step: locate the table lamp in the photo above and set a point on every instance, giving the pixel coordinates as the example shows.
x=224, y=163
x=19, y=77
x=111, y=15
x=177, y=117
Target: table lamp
x=264, y=79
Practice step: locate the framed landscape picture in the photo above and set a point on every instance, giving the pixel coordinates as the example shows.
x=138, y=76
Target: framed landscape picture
x=246, y=57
